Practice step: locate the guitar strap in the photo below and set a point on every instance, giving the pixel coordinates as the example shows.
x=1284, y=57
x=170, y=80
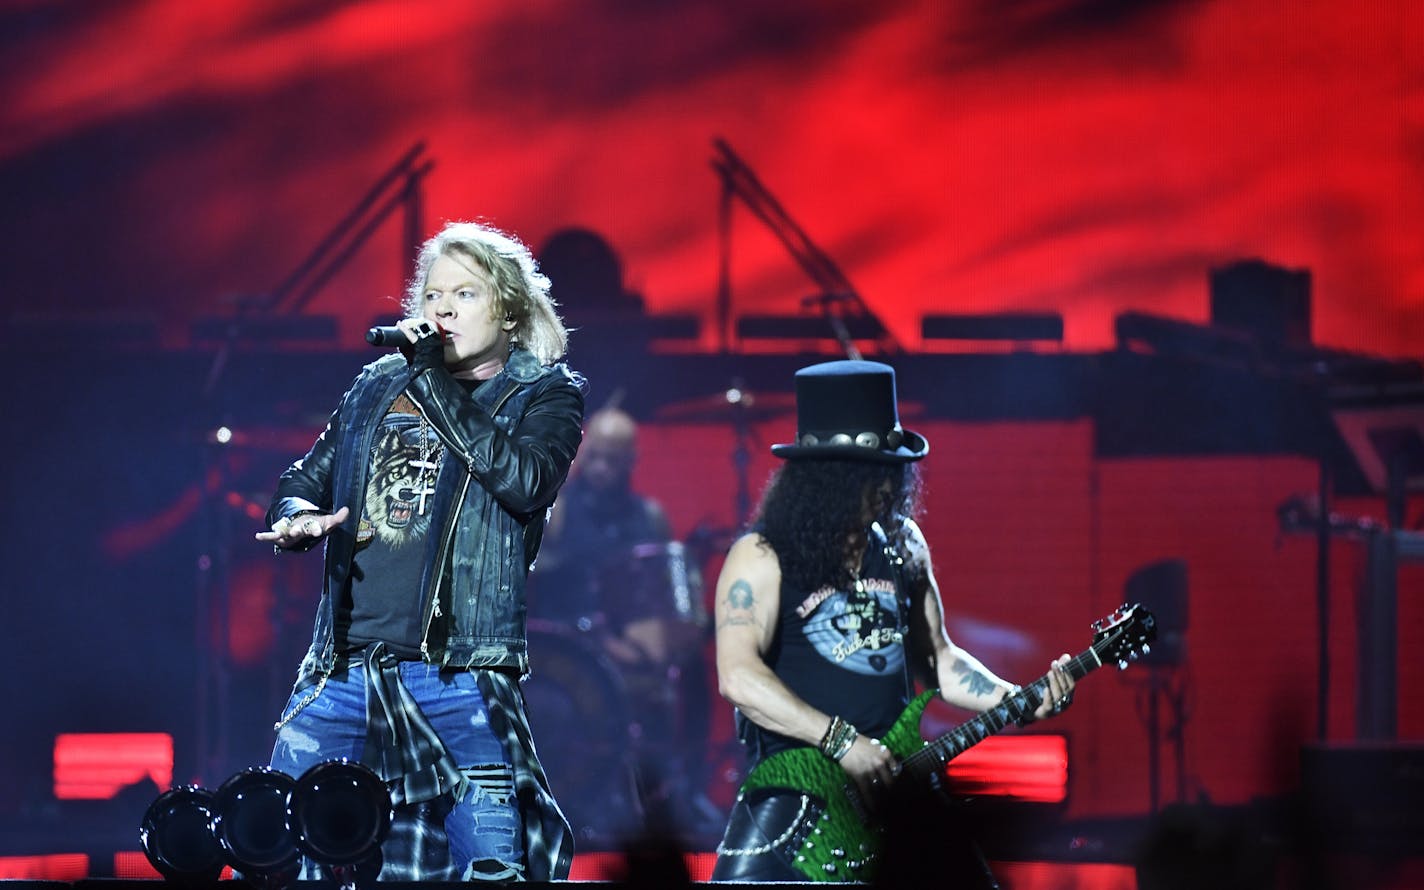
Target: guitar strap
x=902, y=597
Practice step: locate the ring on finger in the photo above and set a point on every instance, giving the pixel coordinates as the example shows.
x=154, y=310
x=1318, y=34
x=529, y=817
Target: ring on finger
x=311, y=527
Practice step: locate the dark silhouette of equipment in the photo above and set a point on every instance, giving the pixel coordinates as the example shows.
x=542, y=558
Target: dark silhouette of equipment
x=1381, y=427
x=615, y=342
x=1161, y=587
x=1003, y=327
x=840, y=305
x=399, y=188
x=1267, y=302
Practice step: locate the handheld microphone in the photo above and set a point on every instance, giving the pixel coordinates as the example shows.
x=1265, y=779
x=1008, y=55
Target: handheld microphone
x=387, y=335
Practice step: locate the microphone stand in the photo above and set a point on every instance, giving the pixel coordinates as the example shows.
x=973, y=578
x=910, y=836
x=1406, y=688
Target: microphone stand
x=828, y=303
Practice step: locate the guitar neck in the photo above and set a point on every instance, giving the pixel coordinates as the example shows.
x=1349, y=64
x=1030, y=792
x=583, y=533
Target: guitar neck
x=931, y=759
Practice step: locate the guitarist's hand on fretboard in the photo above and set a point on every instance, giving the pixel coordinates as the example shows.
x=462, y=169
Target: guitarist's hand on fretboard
x=1059, y=693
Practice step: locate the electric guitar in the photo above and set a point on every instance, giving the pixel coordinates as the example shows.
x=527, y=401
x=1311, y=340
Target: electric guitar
x=836, y=840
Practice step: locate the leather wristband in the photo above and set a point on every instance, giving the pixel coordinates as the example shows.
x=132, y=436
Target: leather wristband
x=839, y=738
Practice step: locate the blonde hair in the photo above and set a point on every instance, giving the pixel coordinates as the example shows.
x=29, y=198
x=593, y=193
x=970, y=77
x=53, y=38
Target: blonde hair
x=521, y=291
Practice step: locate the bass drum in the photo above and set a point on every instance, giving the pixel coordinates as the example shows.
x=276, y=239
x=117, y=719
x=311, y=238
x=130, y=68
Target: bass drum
x=578, y=712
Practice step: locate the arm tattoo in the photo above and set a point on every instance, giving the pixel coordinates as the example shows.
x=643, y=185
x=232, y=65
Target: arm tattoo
x=741, y=599
x=974, y=682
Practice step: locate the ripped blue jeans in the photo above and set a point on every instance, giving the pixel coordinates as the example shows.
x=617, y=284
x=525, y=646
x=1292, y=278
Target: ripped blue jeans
x=484, y=831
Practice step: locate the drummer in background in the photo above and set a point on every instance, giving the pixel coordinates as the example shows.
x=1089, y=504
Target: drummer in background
x=596, y=525
x=609, y=568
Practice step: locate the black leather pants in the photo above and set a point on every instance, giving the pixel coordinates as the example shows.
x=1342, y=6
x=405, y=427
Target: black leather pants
x=764, y=832
x=928, y=844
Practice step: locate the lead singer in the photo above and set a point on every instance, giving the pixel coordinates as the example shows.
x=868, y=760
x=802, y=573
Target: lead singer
x=430, y=487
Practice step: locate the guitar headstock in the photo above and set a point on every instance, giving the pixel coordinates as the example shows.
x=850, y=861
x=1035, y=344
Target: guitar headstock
x=1124, y=635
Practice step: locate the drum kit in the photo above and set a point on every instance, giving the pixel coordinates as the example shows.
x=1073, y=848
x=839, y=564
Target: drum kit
x=619, y=707
x=621, y=704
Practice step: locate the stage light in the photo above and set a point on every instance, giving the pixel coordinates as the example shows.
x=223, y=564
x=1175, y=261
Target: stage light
x=340, y=812
x=177, y=837
x=250, y=824
x=261, y=820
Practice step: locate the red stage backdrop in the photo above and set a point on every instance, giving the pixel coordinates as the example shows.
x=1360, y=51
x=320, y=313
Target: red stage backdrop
x=1078, y=156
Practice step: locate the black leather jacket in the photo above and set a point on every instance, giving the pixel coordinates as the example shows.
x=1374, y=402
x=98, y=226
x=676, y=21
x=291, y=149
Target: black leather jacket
x=508, y=450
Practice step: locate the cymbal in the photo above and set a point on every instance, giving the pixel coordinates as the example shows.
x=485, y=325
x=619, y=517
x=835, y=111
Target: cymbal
x=730, y=405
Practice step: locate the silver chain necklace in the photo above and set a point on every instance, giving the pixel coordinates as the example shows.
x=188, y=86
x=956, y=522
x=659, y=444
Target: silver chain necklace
x=430, y=455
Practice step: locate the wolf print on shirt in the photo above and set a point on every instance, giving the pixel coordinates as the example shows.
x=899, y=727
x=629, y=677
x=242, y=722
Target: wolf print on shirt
x=398, y=495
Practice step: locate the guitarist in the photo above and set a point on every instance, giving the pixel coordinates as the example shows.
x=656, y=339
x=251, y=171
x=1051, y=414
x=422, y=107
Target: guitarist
x=826, y=608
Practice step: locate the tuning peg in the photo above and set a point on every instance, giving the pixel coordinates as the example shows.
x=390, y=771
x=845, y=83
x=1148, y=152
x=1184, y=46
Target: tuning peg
x=1132, y=656
x=1097, y=626
x=1146, y=648
x=1122, y=664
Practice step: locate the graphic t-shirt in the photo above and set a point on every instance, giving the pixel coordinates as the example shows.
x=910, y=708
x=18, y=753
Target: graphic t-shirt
x=843, y=651
x=385, y=599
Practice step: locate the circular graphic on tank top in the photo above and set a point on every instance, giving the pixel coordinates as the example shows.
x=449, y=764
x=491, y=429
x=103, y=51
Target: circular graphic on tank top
x=857, y=630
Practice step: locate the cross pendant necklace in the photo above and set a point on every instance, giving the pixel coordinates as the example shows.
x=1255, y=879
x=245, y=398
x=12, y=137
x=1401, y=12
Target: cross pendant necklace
x=428, y=463
x=424, y=487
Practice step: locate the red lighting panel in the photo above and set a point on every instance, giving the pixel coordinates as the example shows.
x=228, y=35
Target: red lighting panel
x=595, y=866
x=699, y=865
x=1065, y=876
x=1030, y=768
x=54, y=867
x=133, y=865
x=95, y=766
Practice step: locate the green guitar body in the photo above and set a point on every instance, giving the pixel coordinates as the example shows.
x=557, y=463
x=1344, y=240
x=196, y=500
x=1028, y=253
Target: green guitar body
x=842, y=847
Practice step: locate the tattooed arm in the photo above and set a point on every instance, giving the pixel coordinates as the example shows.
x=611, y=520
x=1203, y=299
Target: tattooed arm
x=748, y=596
x=962, y=679
x=748, y=600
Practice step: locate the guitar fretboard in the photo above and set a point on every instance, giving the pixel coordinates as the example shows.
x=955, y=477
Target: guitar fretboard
x=930, y=760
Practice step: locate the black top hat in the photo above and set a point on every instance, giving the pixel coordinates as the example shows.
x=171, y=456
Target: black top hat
x=846, y=410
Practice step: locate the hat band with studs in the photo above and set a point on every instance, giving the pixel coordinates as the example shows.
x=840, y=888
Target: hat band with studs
x=892, y=439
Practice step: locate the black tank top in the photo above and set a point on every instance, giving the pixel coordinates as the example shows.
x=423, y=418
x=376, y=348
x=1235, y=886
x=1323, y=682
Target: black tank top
x=842, y=652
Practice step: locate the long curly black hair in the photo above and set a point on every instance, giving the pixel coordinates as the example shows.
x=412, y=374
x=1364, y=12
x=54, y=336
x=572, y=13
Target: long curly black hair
x=813, y=514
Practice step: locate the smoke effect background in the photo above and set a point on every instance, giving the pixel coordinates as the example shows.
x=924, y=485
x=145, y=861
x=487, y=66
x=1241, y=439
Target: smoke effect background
x=1085, y=157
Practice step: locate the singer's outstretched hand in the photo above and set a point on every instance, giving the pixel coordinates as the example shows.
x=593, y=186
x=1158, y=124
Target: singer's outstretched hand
x=288, y=533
